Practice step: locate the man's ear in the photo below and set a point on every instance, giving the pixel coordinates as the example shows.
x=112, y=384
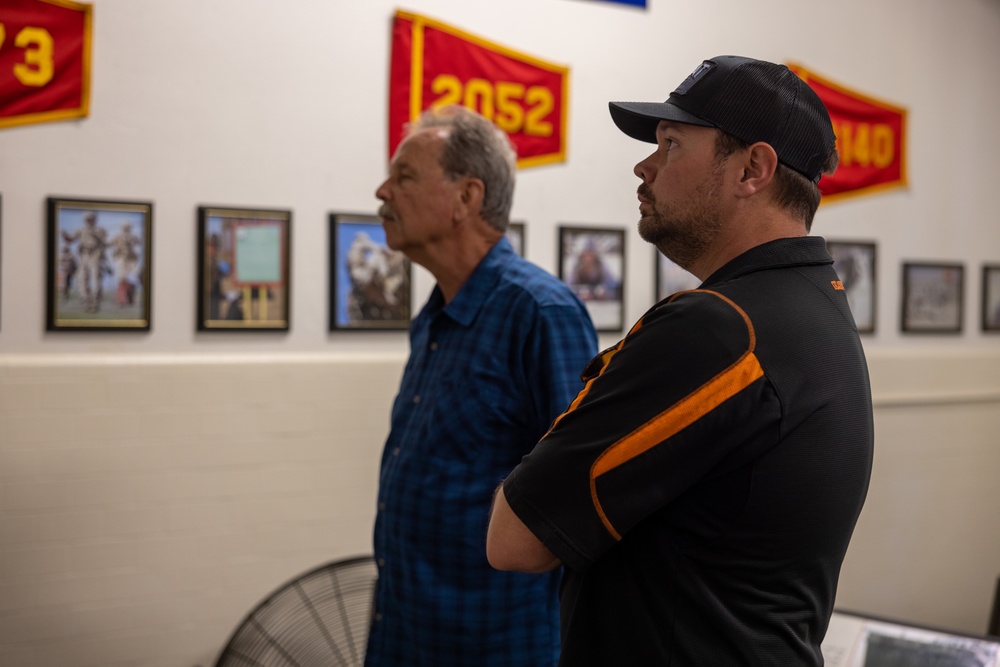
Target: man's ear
x=470, y=197
x=759, y=163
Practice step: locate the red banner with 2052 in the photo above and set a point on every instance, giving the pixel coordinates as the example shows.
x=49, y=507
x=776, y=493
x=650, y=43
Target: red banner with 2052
x=44, y=61
x=435, y=65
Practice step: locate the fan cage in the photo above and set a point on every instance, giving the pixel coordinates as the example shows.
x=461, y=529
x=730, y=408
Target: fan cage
x=320, y=618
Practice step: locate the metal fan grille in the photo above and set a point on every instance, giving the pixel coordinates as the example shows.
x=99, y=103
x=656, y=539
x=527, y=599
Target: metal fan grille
x=319, y=619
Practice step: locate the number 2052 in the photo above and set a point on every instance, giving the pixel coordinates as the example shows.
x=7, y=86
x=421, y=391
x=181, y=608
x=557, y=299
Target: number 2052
x=514, y=107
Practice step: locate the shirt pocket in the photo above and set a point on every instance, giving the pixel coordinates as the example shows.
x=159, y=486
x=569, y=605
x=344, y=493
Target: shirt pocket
x=476, y=417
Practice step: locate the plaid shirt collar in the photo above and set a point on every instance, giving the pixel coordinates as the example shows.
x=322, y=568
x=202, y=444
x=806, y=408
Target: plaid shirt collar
x=473, y=294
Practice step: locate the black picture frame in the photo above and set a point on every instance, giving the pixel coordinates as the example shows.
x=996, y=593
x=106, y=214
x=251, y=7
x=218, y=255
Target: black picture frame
x=370, y=284
x=991, y=298
x=244, y=257
x=592, y=263
x=98, y=264
x=516, y=235
x=670, y=278
x=932, y=297
x=856, y=264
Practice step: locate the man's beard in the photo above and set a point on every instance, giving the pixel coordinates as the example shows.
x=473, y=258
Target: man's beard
x=683, y=231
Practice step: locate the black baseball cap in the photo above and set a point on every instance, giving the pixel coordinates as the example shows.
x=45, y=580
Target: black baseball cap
x=753, y=100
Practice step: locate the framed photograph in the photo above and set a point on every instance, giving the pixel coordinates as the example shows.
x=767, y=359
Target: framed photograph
x=515, y=234
x=98, y=265
x=592, y=263
x=671, y=278
x=991, y=305
x=243, y=269
x=854, y=262
x=932, y=297
x=370, y=283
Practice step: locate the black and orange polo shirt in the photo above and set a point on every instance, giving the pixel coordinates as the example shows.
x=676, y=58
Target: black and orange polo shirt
x=702, y=489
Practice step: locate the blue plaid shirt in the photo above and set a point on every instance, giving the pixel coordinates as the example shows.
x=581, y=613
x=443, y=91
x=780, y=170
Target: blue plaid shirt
x=487, y=375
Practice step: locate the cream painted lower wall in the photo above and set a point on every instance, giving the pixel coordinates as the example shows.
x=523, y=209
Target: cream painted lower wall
x=927, y=546
x=148, y=503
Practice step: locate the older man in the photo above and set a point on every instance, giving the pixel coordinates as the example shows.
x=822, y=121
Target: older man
x=495, y=355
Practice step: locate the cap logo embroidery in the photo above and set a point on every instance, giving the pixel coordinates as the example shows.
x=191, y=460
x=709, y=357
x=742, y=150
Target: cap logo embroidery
x=694, y=77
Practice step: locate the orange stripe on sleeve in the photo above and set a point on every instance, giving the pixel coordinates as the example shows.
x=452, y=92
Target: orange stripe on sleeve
x=669, y=423
x=682, y=414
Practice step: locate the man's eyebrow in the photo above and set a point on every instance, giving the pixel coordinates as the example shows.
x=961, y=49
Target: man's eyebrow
x=669, y=125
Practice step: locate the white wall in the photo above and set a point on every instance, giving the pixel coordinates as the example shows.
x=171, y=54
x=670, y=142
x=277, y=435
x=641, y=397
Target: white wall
x=155, y=486
x=258, y=103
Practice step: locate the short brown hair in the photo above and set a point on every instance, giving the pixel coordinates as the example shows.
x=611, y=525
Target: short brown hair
x=793, y=191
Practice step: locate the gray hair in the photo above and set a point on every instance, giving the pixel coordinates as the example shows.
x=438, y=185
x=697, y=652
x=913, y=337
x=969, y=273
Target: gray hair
x=476, y=147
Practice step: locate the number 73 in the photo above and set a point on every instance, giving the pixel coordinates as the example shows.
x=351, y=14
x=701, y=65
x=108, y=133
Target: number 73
x=37, y=68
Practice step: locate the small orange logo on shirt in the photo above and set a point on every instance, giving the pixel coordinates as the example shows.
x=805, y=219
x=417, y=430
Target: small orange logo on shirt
x=837, y=285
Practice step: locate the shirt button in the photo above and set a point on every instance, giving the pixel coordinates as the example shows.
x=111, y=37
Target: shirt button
x=378, y=617
x=381, y=562
x=416, y=399
x=395, y=452
x=434, y=346
x=381, y=506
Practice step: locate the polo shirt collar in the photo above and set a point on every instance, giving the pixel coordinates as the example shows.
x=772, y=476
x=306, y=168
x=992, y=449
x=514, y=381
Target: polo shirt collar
x=795, y=251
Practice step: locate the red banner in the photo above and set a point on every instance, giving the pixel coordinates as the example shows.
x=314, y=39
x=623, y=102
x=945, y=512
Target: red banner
x=434, y=65
x=44, y=61
x=871, y=139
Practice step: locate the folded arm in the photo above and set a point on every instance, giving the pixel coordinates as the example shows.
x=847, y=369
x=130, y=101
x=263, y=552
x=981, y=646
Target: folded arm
x=511, y=546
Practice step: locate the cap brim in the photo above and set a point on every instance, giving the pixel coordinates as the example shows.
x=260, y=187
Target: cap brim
x=639, y=119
